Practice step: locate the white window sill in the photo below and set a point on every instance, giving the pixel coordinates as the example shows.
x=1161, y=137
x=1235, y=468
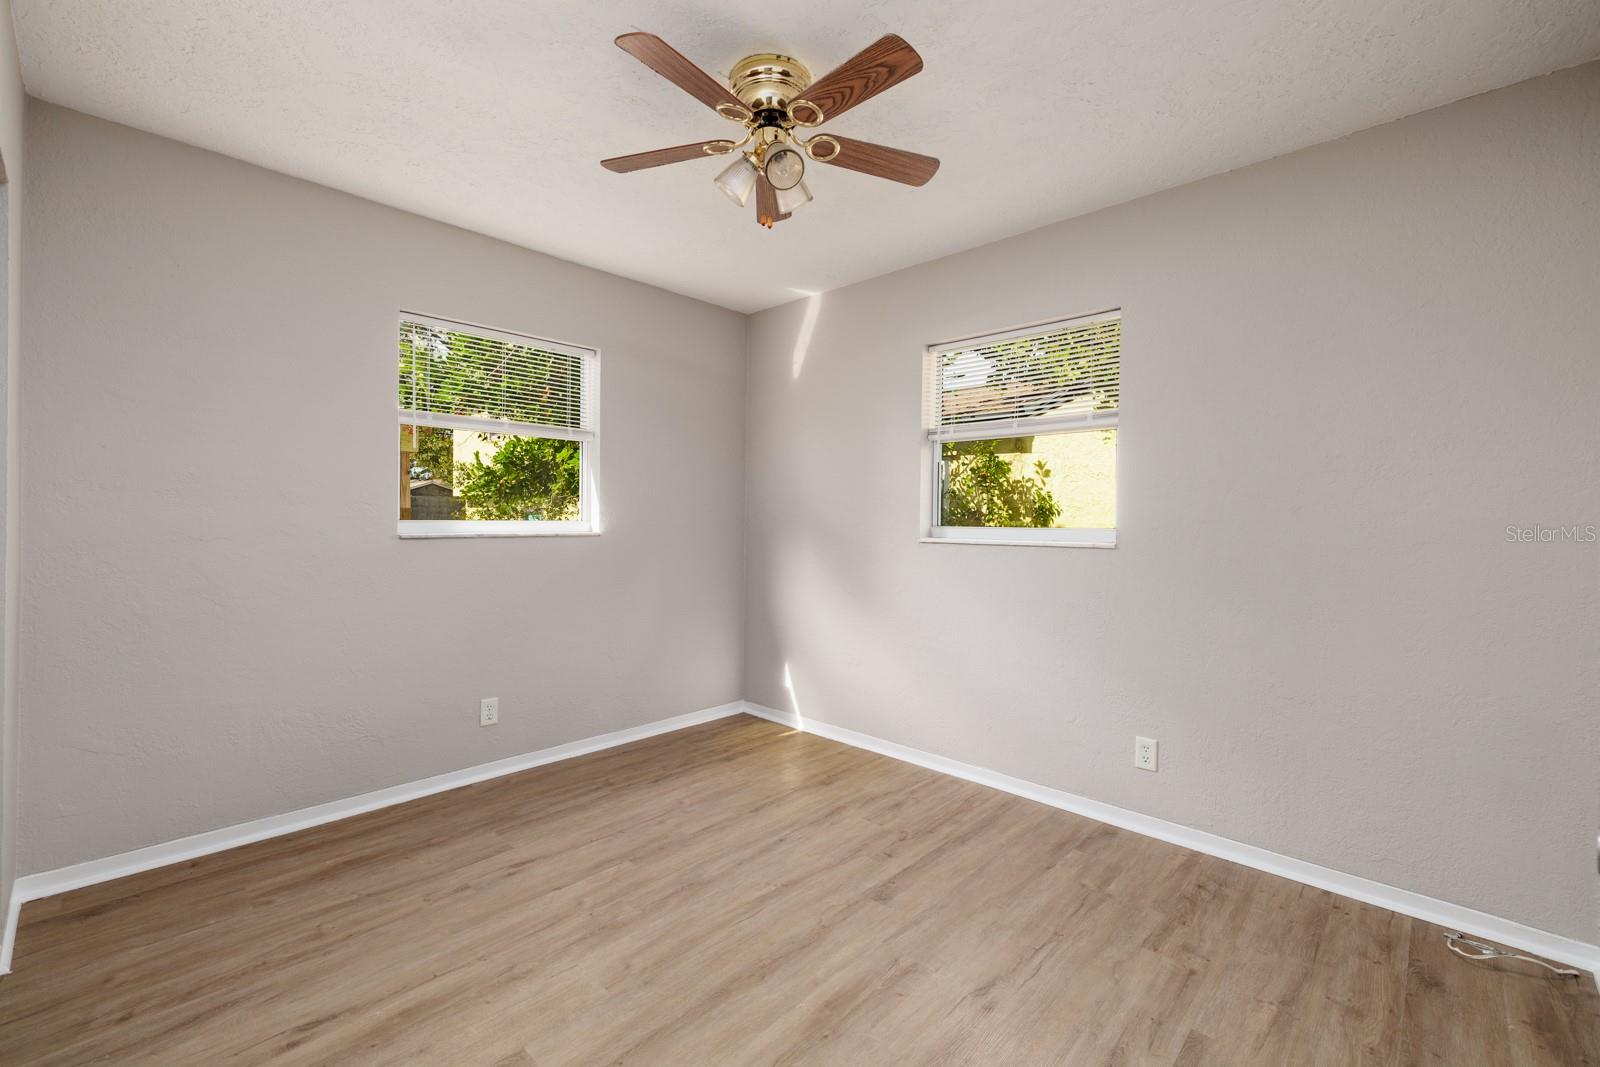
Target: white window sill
x=499, y=530
x=1025, y=544
x=1000, y=535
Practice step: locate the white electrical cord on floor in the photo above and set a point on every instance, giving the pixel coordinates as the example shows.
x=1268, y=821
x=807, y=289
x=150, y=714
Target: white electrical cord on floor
x=1480, y=951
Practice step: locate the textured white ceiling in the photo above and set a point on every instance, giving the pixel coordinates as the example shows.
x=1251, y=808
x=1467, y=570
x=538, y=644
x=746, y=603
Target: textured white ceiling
x=494, y=114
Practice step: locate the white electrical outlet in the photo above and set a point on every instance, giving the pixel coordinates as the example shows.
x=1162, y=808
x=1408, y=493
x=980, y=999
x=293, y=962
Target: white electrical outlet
x=488, y=711
x=1144, y=753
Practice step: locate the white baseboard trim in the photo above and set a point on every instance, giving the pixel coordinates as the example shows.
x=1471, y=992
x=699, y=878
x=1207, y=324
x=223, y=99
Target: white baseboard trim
x=1439, y=912
x=13, y=913
x=78, y=875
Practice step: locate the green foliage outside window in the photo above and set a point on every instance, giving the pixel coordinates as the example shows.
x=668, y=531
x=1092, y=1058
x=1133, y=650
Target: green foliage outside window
x=435, y=455
x=982, y=489
x=528, y=478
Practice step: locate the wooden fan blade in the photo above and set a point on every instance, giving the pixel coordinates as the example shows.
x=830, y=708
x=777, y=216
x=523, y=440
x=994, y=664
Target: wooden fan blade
x=886, y=62
x=661, y=157
x=879, y=161
x=767, y=203
x=672, y=65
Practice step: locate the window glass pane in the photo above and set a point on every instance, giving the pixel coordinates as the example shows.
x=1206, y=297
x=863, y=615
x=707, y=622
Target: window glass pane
x=1074, y=368
x=1050, y=481
x=470, y=475
x=457, y=372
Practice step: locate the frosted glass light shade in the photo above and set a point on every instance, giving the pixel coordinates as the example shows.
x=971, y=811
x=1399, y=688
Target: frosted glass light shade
x=738, y=180
x=789, y=199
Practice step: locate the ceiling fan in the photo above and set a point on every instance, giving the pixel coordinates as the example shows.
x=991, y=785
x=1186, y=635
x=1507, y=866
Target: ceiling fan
x=773, y=96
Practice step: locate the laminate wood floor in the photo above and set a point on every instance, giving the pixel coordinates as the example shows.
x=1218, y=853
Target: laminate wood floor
x=737, y=893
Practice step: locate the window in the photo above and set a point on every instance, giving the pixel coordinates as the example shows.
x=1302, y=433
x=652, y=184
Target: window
x=1022, y=434
x=498, y=432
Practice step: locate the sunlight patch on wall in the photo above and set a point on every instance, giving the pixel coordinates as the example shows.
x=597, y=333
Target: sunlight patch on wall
x=808, y=323
x=794, y=699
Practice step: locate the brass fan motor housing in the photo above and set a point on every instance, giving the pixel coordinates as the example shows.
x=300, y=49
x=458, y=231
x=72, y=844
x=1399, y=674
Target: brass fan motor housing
x=767, y=81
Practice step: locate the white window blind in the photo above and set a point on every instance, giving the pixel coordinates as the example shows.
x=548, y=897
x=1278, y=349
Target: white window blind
x=1062, y=375
x=453, y=374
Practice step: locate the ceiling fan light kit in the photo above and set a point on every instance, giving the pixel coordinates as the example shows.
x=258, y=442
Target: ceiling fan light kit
x=783, y=164
x=789, y=199
x=739, y=180
x=773, y=96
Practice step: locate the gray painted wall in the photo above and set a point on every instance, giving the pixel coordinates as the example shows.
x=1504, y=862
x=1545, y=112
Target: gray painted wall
x=12, y=107
x=1346, y=371
x=206, y=337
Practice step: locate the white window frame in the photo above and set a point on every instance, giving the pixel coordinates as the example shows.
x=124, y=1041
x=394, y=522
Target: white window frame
x=588, y=522
x=932, y=489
